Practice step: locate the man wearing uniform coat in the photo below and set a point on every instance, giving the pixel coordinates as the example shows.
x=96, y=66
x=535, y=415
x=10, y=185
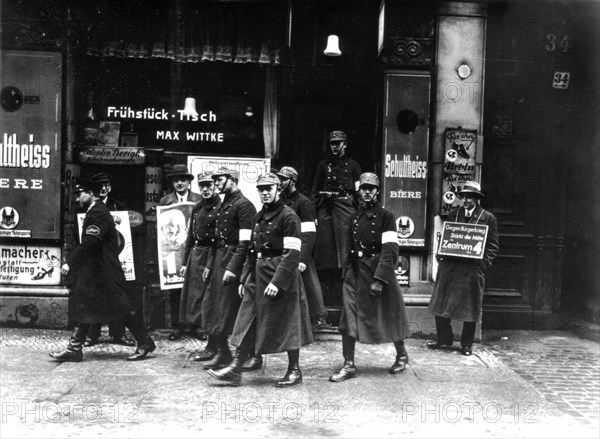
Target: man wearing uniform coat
x=100, y=291
x=304, y=209
x=221, y=301
x=373, y=310
x=180, y=179
x=273, y=316
x=198, y=254
x=460, y=282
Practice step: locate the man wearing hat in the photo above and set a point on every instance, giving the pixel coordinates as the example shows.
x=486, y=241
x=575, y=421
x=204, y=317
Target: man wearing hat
x=221, y=301
x=460, y=282
x=179, y=179
x=116, y=330
x=334, y=190
x=373, y=307
x=100, y=293
x=300, y=204
x=198, y=255
x=273, y=316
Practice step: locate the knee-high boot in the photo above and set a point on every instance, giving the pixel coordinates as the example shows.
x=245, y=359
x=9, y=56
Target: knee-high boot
x=293, y=375
x=348, y=370
x=135, y=323
x=223, y=355
x=232, y=373
x=209, y=351
x=401, y=357
x=74, y=351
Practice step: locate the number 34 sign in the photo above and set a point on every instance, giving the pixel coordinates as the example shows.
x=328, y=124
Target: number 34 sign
x=561, y=80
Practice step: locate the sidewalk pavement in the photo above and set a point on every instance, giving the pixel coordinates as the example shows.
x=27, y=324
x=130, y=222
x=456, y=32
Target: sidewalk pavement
x=517, y=384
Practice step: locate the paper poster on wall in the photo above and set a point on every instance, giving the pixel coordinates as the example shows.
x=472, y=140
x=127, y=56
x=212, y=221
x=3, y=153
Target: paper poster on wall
x=121, y=218
x=29, y=265
x=172, y=223
x=249, y=168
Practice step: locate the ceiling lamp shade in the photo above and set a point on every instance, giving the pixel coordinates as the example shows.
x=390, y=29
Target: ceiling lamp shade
x=249, y=112
x=333, y=46
x=190, y=107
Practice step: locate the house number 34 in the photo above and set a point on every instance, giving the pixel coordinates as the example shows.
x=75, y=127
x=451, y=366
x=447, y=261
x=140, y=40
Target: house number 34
x=554, y=43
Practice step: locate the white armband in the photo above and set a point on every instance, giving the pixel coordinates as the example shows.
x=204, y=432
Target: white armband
x=308, y=226
x=292, y=243
x=389, y=237
x=245, y=234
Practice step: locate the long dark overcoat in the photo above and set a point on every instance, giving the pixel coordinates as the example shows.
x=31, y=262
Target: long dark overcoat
x=100, y=291
x=303, y=207
x=460, y=282
x=198, y=253
x=373, y=255
x=282, y=322
x=233, y=231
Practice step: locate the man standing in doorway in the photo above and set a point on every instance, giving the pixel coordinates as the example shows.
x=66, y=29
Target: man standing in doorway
x=180, y=180
x=221, y=301
x=334, y=190
x=303, y=207
x=460, y=282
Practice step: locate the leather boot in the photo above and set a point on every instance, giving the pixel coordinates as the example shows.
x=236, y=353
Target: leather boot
x=348, y=370
x=135, y=323
x=232, y=373
x=293, y=375
x=223, y=356
x=74, y=351
x=209, y=351
x=401, y=358
x=253, y=362
x=142, y=350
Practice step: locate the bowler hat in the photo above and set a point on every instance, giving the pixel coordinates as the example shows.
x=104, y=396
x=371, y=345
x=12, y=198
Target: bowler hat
x=267, y=180
x=233, y=173
x=335, y=136
x=101, y=177
x=288, y=172
x=86, y=184
x=471, y=188
x=368, y=178
x=180, y=171
x=205, y=177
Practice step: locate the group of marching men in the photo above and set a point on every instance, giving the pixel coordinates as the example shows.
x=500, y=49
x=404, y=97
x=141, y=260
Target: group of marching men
x=247, y=273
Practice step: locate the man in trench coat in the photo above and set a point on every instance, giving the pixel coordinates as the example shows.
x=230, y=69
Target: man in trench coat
x=273, y=316
x=100, y=292
x=460, y=282
x=373, y=310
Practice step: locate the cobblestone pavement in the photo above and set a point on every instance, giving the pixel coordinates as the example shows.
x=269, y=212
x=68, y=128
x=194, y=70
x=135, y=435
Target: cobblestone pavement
x=565, y=373
x=517, y=384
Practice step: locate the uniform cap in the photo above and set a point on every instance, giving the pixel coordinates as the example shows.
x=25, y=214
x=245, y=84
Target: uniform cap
x=336, y=136
x=268, y=180
x=226, y=171
x=205, y=177
x=86, y=184
x=369, y=178
x=101, y=177
x=288, y=172
x=180, y=171
x=472, y=188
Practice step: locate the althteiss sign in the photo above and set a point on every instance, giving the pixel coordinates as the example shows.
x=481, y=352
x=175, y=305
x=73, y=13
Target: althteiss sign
x=463, y=240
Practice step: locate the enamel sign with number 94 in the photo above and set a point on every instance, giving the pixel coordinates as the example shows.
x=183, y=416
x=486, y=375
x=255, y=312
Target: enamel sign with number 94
x=561, y=80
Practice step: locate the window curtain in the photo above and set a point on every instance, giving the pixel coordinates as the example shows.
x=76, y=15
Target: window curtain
x=187, y=32
x=271, y=114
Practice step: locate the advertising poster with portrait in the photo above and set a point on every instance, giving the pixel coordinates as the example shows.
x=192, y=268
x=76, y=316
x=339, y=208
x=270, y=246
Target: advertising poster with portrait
x=121, y=218
x=172, y=224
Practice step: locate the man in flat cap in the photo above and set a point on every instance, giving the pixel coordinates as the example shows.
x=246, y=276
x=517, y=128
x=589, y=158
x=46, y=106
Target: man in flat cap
x=303, y=207
x=179, y=179
x=334, y=189
x=460, y=282
x=221, y=301
x=273, y=316
x=198, y=255
x=116, y=330
x=100, y=292
x=373, y=310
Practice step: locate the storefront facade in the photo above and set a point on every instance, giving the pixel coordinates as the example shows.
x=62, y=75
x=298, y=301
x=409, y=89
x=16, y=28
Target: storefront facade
x=514, y=86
